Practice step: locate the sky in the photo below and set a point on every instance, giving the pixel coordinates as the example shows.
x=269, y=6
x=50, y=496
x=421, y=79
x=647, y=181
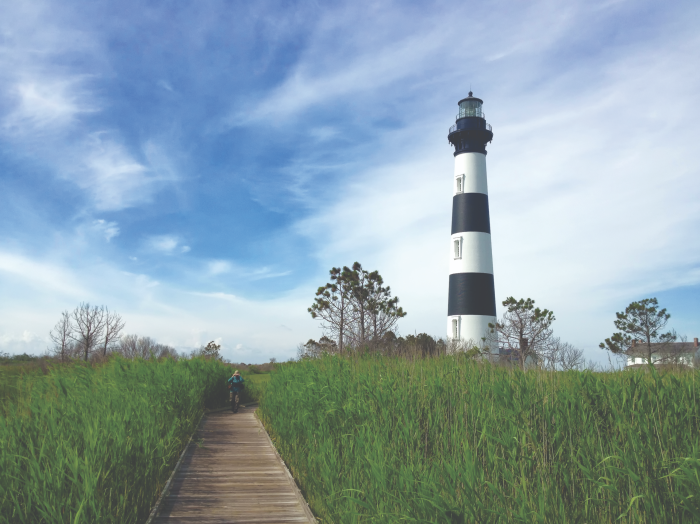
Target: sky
x=198, y=167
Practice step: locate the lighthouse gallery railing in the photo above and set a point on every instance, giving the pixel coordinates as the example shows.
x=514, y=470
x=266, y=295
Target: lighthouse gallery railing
x=454, y=127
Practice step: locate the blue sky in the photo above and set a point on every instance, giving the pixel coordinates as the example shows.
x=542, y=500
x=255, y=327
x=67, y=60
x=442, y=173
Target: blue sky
x=199, y=167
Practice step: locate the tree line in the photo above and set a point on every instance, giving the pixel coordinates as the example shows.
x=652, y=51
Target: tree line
x=92, y=332
x=357, y=312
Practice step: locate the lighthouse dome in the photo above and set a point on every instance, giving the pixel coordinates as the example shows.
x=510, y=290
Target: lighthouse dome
x=470, y=106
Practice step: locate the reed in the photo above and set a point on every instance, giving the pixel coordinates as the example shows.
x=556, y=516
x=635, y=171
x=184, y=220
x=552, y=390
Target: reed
x=255, y=385
x=450, y=440
x=97, y=444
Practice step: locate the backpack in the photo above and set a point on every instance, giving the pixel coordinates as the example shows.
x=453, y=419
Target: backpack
x=238, y=384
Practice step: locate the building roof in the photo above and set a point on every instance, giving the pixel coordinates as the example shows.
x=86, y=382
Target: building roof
x=668, y=349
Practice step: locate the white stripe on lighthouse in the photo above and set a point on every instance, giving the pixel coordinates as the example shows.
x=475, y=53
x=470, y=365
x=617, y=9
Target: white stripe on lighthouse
x=476, y=253
x=472, y=327
x=473, y=167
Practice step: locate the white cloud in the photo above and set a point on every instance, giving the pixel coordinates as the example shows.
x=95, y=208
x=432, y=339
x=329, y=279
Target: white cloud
x=167, y=244
x=39, y=274
x=217, y=267
x=266, y=272
x=308, y=87
x=183, y=319
x=108, y=230
x=218, y=295
x=113, y=178
x=26, y=342
x=165, y=85
x=50, y=75
x=220, y=267
x=47, y=104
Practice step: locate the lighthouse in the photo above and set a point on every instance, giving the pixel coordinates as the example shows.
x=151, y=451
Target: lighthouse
x=472, y=300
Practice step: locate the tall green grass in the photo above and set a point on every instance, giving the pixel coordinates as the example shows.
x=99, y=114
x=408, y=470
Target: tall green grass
x=450, y=440
x=97, y=444
x=14, y=372
x=254, y=387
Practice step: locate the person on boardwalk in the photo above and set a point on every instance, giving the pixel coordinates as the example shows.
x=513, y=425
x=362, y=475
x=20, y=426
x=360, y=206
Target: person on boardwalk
x=235, y=386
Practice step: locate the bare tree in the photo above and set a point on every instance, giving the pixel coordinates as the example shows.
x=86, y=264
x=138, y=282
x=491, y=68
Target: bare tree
x=88, y=325
x=525, y=331
x=113, y=325
x=128, y=346
x=133, y=346
x=165, y=351
x=62, y=337
x=596, y=367
x=563, y=356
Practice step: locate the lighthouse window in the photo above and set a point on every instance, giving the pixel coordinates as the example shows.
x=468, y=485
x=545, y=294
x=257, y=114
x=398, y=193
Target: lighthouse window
x=455, y=328
x=460, y=184
x=458, y=247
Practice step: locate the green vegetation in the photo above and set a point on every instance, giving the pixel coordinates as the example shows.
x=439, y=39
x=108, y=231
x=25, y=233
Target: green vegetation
x=451, y=440
x=254, y=387
x=97, y=444
x=11, y=374
x=6, y=358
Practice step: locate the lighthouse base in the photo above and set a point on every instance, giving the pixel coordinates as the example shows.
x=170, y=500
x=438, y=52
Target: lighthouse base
x=473, y=330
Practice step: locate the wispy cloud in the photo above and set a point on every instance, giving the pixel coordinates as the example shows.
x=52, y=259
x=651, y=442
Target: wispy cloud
x=39, y=99
x=53, y=104
x=217, y=267
x=218, y=295
x=39, y=274
x=108, y=230
x=167, y=244
x=113, y=178
x=165, y=85
x=266, y=272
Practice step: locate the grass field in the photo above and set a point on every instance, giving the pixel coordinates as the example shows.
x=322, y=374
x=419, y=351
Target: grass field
x=256, y=384
x=449, y=440
x=96, y=444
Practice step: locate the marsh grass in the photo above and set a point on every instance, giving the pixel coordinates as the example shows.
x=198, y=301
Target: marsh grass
x=381, y=439
x=255, y=387
x=96, y=444
x=11, y=374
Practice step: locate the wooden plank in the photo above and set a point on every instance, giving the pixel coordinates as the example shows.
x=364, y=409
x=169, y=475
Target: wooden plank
x=231, y=473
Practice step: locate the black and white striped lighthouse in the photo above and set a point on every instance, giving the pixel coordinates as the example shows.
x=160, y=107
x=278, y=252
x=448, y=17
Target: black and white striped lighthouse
x=472, y=301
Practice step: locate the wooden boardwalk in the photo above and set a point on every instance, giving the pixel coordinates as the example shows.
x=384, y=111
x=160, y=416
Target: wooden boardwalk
x=231, y=473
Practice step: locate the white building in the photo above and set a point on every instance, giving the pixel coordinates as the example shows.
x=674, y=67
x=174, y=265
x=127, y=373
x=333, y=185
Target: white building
x=684, y=353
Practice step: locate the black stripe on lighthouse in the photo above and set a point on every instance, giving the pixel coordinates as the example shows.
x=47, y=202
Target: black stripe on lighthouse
x=471, y=294
x=470, y=212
